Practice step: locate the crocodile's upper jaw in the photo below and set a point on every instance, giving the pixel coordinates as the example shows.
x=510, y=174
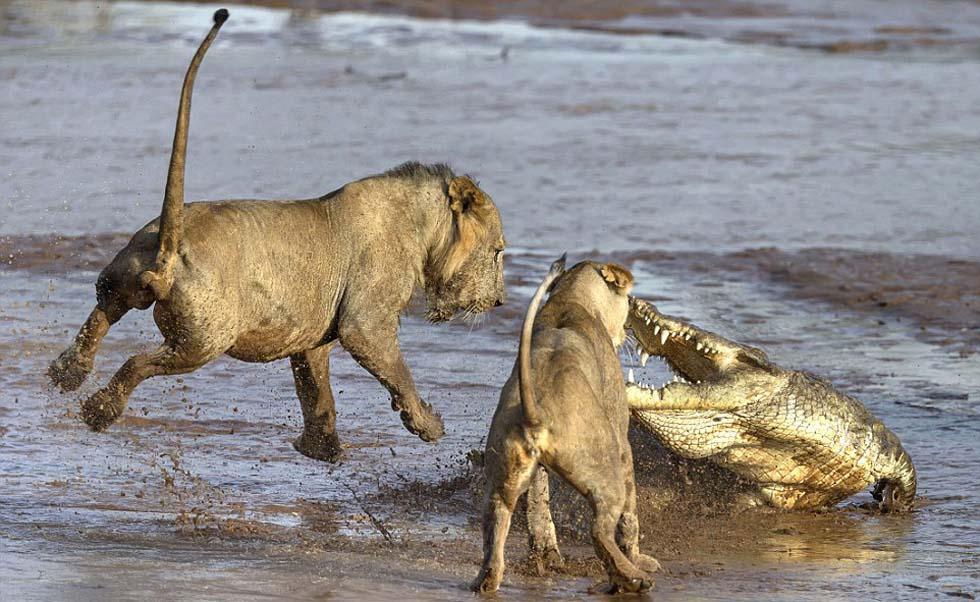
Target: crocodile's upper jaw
x=693, y=354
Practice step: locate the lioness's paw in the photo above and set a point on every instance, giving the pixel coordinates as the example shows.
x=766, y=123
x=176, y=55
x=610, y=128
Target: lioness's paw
x=647, y=564
x=547, y=560
x=485, y=583
x=621, y=584
x=101, y=409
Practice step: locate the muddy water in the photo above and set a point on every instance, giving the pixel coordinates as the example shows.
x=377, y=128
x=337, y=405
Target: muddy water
x=672, y=155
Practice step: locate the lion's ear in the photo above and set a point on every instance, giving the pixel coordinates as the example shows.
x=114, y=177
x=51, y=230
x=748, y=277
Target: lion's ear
x=617, y=276
x=464, y=195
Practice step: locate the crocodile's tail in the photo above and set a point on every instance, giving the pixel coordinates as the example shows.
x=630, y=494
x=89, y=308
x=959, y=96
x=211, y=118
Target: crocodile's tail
x=896, y=489
x=159, y=277
x=532, y=412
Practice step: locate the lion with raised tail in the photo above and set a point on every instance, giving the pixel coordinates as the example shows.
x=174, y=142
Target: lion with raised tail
x=266, y=280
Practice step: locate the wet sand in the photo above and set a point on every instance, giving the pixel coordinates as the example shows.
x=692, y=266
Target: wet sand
x=421, y=533
x=819, y=205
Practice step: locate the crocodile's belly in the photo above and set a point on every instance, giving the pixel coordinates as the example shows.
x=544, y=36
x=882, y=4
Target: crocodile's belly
x=799, y=477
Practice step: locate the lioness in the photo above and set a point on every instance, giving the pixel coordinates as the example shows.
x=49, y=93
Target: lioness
x=564, y=407
x=263, y=280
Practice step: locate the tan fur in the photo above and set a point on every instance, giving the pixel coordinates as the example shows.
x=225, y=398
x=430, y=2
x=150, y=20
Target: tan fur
x=472, y=210
x=265, y=280
x=580, y=433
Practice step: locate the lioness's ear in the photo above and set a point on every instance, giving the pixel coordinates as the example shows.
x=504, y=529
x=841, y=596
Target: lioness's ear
x=618, y=277
x=464, y=195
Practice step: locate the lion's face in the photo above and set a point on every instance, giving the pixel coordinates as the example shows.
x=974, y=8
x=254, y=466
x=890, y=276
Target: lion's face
x=469, y=274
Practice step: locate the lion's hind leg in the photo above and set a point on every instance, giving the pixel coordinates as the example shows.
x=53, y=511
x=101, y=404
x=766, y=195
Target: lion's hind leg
x=628, y=533
x=311, y=373
x=542, y=539
x=117, y=291
x=599, y=478
x=508, y=476
x=108, y=403
x=73, y=366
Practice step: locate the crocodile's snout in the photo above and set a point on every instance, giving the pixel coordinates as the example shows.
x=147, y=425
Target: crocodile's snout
x=693, y=354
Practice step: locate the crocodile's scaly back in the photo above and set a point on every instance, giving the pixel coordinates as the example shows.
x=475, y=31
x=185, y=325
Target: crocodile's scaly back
x=804, y=443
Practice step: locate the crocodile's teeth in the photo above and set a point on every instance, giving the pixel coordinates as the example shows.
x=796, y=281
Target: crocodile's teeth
x=629, y=376
x=663, y=336
x=647, y=320
x=700, y=346
x=644, y=356
x=687, y=336
x=656, y=329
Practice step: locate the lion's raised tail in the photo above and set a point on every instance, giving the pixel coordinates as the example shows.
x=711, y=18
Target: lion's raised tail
x=160, y=277
x=532, y=412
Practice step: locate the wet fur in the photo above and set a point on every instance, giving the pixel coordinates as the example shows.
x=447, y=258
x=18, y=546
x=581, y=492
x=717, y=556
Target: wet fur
x=578, y=429
x=265, y=280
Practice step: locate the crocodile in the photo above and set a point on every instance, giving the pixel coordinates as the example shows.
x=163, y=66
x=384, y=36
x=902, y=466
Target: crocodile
x=797, y=440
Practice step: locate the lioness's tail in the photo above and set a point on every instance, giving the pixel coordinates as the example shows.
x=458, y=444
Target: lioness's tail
x=532, y=413
x=159, y=278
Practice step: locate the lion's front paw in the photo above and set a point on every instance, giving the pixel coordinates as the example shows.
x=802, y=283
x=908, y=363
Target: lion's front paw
x=102, y=409
x=68, y=372
x=319, y=446
x=425, y=423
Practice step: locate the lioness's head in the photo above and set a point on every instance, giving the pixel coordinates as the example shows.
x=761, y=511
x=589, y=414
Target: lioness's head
x=467, y=273
x=603, y=289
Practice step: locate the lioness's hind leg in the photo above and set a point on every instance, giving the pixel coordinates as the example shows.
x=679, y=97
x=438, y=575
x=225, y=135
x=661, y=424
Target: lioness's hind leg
x=623, y=574
x=107, y=404
x=543, y=541
x=502, y=495
x=311, y=373
x=629, y=525
x=73, y=366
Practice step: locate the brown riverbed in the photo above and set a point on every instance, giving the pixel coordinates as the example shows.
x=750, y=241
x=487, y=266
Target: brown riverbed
x=819, y=205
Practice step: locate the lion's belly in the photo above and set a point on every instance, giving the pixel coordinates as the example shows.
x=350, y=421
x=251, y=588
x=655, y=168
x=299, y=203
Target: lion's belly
x=266, y=345
x=279, y=335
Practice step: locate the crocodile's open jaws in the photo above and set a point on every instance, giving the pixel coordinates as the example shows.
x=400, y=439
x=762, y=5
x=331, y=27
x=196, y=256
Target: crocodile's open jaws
x=803, y=442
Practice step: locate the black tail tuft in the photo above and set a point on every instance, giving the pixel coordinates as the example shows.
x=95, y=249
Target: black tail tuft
x=558, y=266
x=220, y=16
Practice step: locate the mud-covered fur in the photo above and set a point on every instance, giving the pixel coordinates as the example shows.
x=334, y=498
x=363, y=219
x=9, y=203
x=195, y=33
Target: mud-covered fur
x=565, y=409
x=265, y=280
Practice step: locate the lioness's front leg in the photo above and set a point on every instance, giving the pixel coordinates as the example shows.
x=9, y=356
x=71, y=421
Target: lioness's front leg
x=376, y=349
x=311, y=372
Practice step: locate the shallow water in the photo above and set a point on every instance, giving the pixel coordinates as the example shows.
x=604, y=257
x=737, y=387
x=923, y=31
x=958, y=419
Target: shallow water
x=586, y=141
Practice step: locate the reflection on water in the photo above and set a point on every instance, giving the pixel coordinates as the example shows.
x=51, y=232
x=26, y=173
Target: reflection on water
x=586, y=141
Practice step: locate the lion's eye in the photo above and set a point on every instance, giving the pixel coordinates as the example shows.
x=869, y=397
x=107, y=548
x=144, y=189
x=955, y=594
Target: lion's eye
x=497, y=254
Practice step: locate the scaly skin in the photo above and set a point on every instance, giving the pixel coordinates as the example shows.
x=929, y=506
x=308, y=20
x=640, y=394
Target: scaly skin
x=804, y=443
